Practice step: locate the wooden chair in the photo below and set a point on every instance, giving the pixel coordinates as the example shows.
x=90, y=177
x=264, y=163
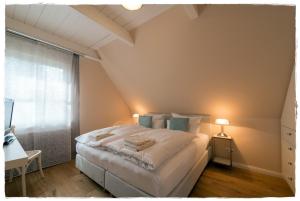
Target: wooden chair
x=32, y=155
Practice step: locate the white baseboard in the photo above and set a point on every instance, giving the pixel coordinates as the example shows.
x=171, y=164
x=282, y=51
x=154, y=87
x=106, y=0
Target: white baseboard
x=257, y=169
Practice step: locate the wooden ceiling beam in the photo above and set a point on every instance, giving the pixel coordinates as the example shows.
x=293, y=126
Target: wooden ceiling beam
x=191, y=11
x=118, y=31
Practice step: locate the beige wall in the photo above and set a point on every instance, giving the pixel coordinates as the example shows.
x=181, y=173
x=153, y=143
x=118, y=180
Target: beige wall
x=234, y=61
x=100, y=102
x=256, y=141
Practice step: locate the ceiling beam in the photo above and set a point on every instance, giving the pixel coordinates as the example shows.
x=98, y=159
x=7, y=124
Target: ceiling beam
x=41, y=35
x=98, y=53
x=191, y=10
x=105, y=22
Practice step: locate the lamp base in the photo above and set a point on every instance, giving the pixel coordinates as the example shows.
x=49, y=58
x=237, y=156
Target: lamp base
x=222, y=135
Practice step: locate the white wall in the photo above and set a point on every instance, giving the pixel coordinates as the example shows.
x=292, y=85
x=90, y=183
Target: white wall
x=100, y=102
x=234, y=62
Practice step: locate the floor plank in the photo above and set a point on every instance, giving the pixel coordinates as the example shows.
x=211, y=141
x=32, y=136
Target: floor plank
x=221, y=181
x=65, y=180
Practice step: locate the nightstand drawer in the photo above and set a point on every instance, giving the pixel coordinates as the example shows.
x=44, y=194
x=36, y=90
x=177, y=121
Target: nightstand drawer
x=291, y=181
x=288, y=135
x=288, y=151
x=288, y=167
x=288, y=163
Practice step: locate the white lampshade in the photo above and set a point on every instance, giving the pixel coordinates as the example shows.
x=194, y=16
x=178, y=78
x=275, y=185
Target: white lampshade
x=222, y=121
x=135, y=115
x=132, y=6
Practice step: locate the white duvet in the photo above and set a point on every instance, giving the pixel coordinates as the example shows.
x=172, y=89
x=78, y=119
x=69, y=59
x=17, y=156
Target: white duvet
x=167, y=144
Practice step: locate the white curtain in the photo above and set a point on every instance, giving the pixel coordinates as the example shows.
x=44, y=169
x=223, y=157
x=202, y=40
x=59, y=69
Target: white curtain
x=39, y=79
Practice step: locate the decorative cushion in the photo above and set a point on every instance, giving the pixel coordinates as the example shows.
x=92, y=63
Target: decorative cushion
x=158, y=123
x=158, y=120
x=194, y=122
x=177, y=123
x=145, y=121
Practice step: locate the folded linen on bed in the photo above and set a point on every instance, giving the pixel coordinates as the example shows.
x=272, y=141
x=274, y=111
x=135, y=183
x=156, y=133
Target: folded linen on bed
x=136, y=140
x=104, y=135
x=93, y=135
x=141, y=147
x=101, y=133
x=167, y=144
x=116, y=132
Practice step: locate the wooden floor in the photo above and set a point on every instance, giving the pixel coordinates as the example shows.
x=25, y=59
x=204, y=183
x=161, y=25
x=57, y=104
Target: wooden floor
x=216, y=181
x=220, y=181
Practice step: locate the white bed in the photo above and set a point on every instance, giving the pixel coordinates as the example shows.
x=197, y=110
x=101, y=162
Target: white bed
x=174, y=176
x=157, y=183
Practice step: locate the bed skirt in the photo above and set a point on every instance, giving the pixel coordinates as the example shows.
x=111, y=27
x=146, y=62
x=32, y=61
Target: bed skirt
x=93, y=171
x=119, y=188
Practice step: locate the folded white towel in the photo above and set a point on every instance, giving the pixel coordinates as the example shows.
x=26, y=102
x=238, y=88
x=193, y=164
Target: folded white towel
x=100, y=137
x=135, y=148
x=101, y=133
x=136, y=140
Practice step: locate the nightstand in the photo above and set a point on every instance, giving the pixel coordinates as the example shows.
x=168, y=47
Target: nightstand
x=222, y=150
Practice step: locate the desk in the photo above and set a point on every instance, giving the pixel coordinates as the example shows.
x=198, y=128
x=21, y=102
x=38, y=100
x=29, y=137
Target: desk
x=16, y=157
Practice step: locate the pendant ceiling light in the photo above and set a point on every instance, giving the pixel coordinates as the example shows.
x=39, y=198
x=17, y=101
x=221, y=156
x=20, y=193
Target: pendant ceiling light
x=132, y=6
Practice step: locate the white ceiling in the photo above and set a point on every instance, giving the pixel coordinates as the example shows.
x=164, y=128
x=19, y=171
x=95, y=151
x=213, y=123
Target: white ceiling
x=67, y=23
x=132, y=19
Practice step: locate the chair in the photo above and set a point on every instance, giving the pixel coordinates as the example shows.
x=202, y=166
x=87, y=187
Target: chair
x=32, y=155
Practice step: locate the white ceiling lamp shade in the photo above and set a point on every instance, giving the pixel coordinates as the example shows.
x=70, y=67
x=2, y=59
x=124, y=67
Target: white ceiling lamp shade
x=132, y=6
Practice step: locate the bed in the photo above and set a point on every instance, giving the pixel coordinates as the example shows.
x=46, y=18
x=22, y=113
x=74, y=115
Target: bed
x=122, y=178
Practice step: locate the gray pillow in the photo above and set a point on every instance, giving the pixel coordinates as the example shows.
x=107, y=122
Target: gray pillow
x=145, y=121
x=178, y=123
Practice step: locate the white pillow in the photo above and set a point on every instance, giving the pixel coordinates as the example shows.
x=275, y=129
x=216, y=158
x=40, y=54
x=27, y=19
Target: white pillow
x=194, y=122
x=158, y=120
x=158, y=123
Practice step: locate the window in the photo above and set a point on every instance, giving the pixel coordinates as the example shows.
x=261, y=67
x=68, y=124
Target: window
x=43, y=81
x=38, y=78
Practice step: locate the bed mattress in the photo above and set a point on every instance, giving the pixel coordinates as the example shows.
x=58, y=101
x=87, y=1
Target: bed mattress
x=159, y=182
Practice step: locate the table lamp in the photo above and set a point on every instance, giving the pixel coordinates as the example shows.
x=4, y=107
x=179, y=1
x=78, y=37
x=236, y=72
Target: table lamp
x=135, y=117
x=222, y=123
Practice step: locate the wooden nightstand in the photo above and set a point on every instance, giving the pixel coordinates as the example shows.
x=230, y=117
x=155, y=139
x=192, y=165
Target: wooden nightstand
x=222, y=150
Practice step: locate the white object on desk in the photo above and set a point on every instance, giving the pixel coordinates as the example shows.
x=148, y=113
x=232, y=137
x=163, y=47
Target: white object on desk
x=16, y=157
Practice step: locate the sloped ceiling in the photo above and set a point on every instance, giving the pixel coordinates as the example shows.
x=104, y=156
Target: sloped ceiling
x=65, y=22
x=233, y=60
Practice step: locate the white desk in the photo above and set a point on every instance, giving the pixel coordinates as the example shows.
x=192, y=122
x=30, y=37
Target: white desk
x=16, y=157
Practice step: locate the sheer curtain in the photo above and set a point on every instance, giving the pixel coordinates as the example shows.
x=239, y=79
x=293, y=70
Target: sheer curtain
x=42, y=81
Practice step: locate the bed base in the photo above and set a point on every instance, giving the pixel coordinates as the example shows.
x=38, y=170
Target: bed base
x=119, y=188
x=187, y=184
x=91, y=170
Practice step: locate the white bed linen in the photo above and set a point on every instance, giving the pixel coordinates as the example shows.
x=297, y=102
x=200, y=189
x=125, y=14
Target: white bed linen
x=167, y=144
x=157, y=183
x=117, y=131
